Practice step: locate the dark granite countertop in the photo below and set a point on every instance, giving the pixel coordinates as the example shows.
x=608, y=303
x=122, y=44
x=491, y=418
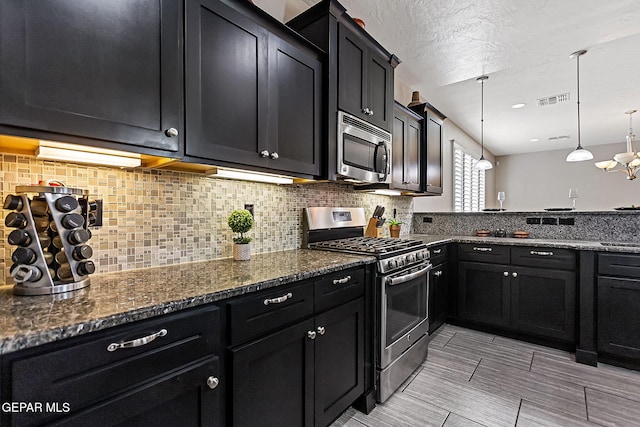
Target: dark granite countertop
x=118, y=298
x=584, y=245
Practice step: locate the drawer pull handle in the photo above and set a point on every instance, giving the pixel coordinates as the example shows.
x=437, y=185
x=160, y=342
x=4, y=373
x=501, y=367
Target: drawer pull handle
x=437, y=251
x=278, y=300
x=539, y=253
x=138, y=342
x=212, y=382
x=341, y=281
x=482, y=249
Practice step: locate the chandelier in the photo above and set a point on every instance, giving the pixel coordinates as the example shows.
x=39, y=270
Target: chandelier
x=628, y=161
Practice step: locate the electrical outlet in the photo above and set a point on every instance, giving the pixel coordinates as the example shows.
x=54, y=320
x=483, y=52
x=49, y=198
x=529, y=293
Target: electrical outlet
x=249, y=207
x=427, y=219
x=533, y=220
x=567, y=221
x=550, y=221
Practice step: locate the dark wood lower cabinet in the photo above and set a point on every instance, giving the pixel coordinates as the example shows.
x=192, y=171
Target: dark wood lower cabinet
x=438, y=296
x=483, y=293
x=304, y=375
x=273, y=379
x=543, y=302
x=619, y=317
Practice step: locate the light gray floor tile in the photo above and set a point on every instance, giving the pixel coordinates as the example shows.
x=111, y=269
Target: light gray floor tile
x=441, y=337
x=525, y=346
x=468, y=346
x=464, y=399
x=610, y=410
x=455, y=420
x=347, y=420
x=621, y=382
x=532, y=415
x=446, y=364
x=403, y=410
x=549, y=391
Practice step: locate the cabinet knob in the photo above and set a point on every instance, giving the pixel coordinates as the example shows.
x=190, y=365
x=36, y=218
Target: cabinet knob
x=514, y=274
x=371, y=112
x=311, y=335
x=264, y=154
x=321, y=330
x=366, y=111
x=506, y=273
x=171, y=132
x=274, y=155
x=212, y=382
x=438, y=273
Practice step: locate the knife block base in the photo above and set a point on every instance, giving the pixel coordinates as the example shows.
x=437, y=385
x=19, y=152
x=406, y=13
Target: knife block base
x=372, y=230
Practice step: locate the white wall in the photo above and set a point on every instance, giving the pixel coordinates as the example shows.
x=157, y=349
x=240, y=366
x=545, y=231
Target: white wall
x=535, y=181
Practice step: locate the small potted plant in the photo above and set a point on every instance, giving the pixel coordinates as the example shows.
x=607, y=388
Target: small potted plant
x=241, y=221
x=394, y=227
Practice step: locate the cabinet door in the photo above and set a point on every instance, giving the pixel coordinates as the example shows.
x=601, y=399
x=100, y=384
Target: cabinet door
x=182, y=398
x=543, y=302
x=352, y=79
x=295, y=79
x=339, y=360
x=433, y=170
x=379, y=90
x=483, y=293
x=226, y=85
x=399, y=134
x=619, y=317
x=406, y=151
x=108, y=71
x=273, y=379
x=438, y=294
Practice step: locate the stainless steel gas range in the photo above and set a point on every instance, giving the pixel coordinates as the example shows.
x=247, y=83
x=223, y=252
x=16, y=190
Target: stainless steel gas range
x=402, y=289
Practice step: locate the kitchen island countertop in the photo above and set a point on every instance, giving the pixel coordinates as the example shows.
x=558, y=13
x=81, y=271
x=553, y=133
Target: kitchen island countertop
x=121, y=297
x=583, y=245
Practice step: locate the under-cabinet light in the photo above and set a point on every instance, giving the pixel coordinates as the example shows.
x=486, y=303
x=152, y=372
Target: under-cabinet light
x=387, y=192
x=249, y=176
x=49, y=150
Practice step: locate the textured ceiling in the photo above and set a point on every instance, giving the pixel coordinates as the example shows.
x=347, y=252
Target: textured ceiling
x=524, y=47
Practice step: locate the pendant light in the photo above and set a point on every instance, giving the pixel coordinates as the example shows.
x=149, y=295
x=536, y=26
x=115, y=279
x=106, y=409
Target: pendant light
x=579, y=154
x=482, y=164
x=629, y=161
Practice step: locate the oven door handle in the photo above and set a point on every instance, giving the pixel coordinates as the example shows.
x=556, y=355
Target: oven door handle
x=392, y=281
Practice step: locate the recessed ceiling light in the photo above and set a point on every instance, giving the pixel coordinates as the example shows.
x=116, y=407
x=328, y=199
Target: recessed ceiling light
x=534, y=140
x=520, y=105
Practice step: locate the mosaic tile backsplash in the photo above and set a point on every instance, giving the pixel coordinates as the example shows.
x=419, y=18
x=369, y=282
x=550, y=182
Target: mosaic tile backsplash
x=160, y=217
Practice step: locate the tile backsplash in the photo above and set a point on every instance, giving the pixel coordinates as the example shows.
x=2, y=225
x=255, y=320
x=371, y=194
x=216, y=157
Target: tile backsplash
x=159, y=217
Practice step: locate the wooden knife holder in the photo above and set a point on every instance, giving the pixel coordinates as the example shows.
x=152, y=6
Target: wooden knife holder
x=372, y=229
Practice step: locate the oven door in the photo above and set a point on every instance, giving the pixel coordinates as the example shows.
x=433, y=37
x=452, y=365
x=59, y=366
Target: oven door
x=403, y=311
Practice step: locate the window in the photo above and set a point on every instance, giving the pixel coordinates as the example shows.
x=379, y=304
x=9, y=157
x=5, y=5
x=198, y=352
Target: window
x=468, y=183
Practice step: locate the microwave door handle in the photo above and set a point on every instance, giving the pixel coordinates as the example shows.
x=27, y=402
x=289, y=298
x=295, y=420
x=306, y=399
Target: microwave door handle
x=386, y=155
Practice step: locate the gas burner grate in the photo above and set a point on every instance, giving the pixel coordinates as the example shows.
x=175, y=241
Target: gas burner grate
x=373, y=245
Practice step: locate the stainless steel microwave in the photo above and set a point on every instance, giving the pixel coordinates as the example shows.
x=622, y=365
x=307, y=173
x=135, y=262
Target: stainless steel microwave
x=364, y=150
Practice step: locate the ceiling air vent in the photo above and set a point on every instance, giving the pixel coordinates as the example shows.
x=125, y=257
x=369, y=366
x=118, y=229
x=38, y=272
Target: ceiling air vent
x=554, y=99
x=559, y=138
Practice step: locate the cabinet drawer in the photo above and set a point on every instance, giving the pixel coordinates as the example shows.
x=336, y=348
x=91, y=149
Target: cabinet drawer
x=337, y=288
x=564, y=259
x=438, y=254
x=84, y=373
x=481, y=252
x=263, y=312
x=623, y=265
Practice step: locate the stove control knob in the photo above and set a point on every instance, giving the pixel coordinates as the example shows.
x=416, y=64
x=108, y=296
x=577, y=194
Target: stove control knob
x=400, y=262
x=420, y=255
x=391, y=264
x=411, y=258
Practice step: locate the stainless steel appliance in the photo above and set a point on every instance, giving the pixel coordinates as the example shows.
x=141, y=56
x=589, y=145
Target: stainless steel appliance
x=364, y=150
x=401, y=294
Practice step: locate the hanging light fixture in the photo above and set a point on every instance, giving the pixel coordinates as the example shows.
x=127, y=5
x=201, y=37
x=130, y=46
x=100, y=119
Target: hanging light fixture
x=629, y=161
x=482, y=164
x=579, y=154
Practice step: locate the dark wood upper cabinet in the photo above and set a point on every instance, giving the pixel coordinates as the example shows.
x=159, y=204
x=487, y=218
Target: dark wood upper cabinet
x=101, y=73
x=407, y=149
x=252, y=97
x=431, y=157
x=365, y=80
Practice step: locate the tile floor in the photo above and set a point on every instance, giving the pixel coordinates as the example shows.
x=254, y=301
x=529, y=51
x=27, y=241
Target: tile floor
x=472, y=378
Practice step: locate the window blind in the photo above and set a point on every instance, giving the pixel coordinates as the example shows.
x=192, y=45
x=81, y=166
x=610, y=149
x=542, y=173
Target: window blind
x=468, y=183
